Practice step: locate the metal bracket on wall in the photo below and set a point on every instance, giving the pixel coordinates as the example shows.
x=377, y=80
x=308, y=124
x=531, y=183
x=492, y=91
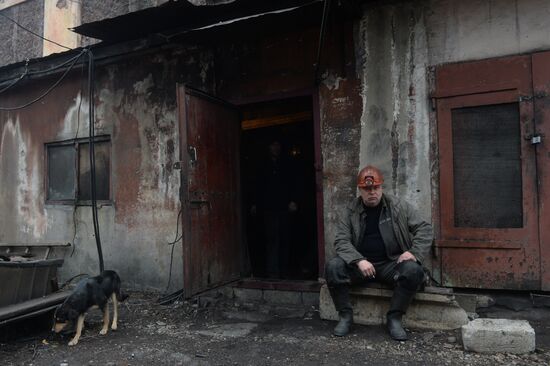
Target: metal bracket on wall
x=534, y=139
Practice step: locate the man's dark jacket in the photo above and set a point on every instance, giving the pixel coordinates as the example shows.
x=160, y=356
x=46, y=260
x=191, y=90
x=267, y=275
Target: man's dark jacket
x=401, y=228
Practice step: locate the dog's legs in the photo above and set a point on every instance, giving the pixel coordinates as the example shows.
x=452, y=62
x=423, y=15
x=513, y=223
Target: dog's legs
x=79, y=326
x=115, y=312
x=105, y=319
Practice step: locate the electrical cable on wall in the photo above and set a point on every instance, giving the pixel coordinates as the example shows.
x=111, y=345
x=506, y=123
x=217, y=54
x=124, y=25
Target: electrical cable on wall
x=173, y=244
x=91, y=121
x=49, y=90
x=91, y=133
x=34, y=33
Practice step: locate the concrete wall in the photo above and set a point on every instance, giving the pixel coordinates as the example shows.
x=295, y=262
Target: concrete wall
x=397, y=44
x=51, y=19
x=136, y=106
x=16, y=43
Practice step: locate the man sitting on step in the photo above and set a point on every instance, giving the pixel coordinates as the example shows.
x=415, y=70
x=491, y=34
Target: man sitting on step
x=379, y=237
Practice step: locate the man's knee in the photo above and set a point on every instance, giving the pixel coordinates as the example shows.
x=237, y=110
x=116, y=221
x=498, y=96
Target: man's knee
x=335, y=271
x=411, y=274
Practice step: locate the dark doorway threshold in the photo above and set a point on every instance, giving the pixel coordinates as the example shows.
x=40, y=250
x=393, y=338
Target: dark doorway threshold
x=276, y=284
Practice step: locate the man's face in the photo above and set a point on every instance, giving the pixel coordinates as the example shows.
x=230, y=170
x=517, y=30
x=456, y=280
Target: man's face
x=371, y=195
x=275, y=149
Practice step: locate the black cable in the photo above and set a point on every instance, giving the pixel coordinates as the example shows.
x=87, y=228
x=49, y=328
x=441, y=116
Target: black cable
x=18, y=79
x=172, y=243
x=31, y=32
x=75, y=138
x=75, y=59
x=72, y=278
x=321, y=40
x=92, y=158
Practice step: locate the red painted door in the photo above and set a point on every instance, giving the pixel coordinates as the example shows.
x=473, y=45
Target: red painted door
x=488, y=197
x=541, y=95
x=210, y=192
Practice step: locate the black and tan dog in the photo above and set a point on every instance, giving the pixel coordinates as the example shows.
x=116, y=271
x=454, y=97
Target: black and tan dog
x=90, y=293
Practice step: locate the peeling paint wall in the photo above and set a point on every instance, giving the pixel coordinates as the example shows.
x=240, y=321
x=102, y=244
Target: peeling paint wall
x=136, y=106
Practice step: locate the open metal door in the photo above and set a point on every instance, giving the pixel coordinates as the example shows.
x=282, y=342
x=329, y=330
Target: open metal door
x=210, y=191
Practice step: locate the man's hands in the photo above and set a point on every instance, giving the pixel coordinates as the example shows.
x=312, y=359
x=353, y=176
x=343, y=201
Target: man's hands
x=407, y=256
x=366, y=268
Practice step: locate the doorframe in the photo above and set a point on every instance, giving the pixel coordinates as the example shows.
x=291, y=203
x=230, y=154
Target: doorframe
x=313, y=93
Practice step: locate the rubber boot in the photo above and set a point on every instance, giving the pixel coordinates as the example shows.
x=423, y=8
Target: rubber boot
x=340, y=297
x=344, y=325
x=398, y=306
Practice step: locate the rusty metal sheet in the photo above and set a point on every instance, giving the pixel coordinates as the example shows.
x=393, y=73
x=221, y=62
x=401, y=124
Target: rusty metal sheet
x=493, y=256
x=541, y=85
x=213, y=251
x=181, y=15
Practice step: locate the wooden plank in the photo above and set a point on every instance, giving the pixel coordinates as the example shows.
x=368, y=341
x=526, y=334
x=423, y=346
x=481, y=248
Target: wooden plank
x=34, y=305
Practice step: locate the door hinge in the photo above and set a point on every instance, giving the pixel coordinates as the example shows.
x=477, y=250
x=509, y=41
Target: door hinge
x=527, y=98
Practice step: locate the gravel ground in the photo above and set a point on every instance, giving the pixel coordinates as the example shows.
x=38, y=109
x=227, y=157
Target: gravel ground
x=185, y=334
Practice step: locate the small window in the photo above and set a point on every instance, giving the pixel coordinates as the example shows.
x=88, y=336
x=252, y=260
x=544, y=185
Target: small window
x=68, y=172
x=487, y=166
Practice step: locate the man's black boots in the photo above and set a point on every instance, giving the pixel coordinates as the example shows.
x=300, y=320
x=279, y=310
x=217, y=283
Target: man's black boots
x=340, y=297
x=342, y=328
x=398, y=306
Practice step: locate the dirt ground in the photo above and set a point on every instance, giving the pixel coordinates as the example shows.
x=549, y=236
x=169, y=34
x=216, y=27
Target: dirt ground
x=185, y=333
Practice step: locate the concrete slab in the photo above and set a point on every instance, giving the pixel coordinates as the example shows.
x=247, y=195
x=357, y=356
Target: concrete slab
x=283, y=297
x=498, y=336
x=427, y=311
x=247, y=294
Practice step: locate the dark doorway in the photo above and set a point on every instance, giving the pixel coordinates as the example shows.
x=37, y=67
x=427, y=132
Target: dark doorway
x=278, y=181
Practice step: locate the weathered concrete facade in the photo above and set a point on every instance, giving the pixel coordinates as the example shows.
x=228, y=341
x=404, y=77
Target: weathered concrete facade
x=373, y=103
x=136, y=107
x=398, y=44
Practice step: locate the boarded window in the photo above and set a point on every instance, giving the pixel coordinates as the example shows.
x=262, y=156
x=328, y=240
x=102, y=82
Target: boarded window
x=487, y=166
x=69, y=171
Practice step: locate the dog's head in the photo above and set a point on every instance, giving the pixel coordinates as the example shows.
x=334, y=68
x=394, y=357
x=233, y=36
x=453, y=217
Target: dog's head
x=63, y=315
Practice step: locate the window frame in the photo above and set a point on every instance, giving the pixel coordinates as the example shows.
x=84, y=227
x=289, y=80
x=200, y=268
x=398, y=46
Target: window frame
x=76, y=143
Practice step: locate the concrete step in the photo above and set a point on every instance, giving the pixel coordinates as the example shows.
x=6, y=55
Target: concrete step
x=429, y=310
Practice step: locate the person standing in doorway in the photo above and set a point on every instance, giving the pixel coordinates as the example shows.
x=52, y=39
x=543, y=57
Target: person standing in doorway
x=379, y=237
x=274, y=202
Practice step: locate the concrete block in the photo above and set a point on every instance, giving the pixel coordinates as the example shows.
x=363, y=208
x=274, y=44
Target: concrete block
x=247, y=294
x=370, y=305
x=310, y=299
x=467, y=301
x=498, y=336
x=283, y=297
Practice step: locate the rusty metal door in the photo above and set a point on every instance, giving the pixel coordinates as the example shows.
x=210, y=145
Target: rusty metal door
x=210, y=192
x=541, y=95
x=488, y=198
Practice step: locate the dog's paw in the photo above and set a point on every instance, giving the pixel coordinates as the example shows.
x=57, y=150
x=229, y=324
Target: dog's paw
x=103, y=331
x=73, y=342
x=114, y=327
